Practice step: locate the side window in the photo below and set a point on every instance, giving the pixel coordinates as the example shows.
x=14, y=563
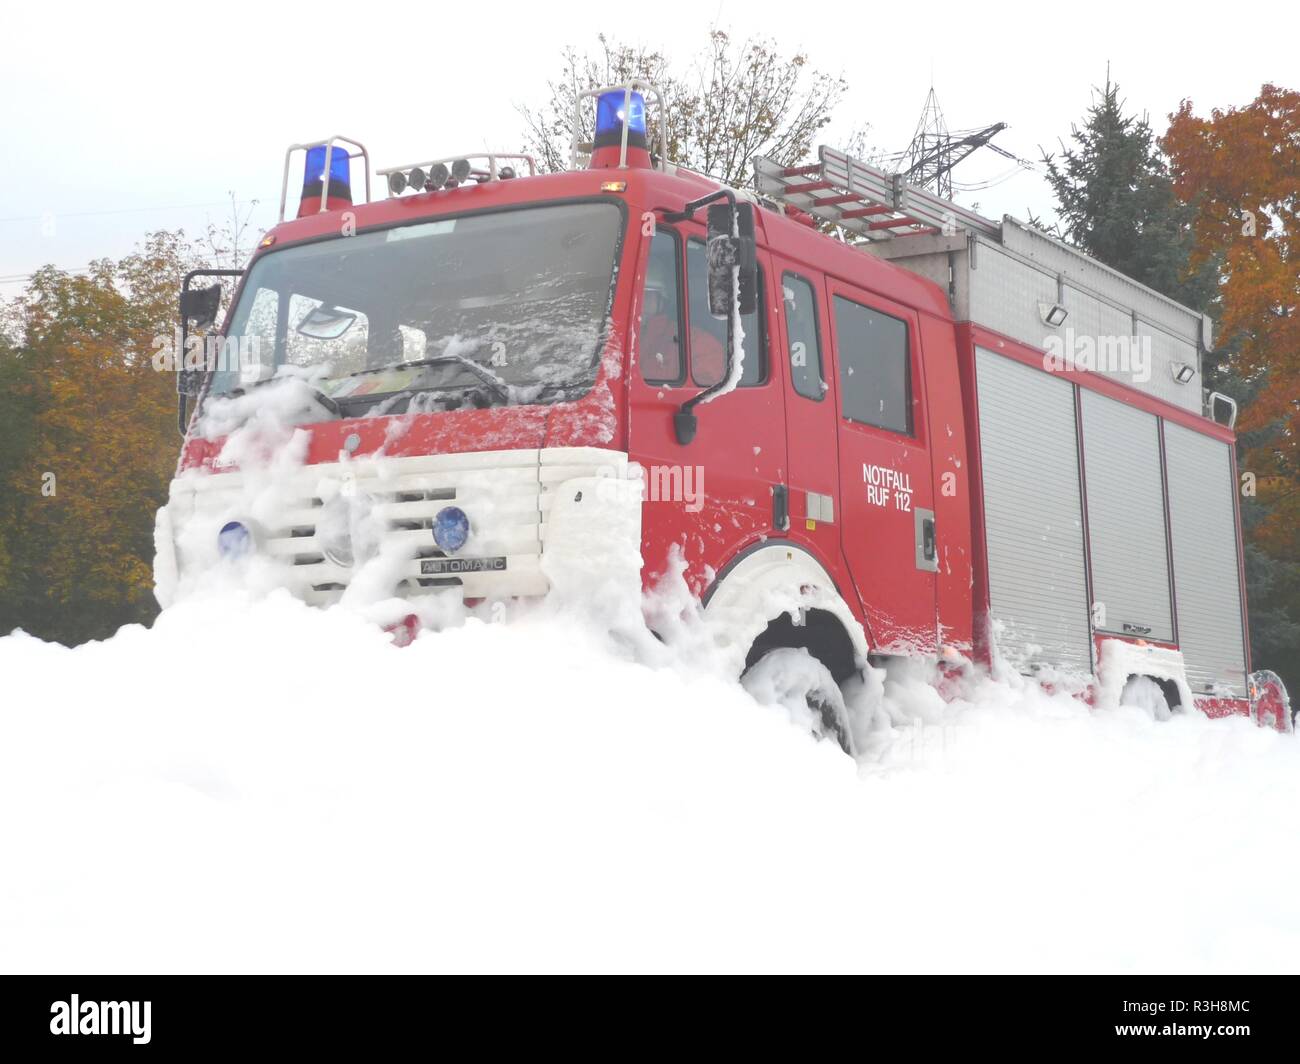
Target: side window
x=805, y=346
x=260, y=332
x=661, y=329
x=875, y=376
x=754, y=344
x=708, y=344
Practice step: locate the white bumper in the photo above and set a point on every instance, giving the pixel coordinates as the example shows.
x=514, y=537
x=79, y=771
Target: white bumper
x=508, y=496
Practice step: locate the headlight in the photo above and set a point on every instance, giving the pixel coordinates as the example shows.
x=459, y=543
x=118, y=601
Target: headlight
x=234, y=540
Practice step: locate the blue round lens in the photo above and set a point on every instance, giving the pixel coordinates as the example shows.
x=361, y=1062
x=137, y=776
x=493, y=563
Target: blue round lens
x=450, y=528
x=234, y=540
x=610, y=116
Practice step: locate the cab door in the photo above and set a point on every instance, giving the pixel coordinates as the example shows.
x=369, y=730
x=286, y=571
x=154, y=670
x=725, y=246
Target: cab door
x=729, y=474
x=888, y=531
x=811, y=412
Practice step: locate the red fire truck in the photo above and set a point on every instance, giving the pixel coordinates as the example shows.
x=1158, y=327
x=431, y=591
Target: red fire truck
x=861, y=420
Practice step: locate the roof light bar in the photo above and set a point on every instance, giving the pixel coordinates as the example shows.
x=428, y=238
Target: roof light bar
x=453, y=170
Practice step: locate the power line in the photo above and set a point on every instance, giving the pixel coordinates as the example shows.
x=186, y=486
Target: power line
x=122, y=210
x=23, y=278
x=934, y=151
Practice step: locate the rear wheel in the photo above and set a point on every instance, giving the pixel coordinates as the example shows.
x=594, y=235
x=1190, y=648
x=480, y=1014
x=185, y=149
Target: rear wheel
x=792, y=677
x=1143, y=692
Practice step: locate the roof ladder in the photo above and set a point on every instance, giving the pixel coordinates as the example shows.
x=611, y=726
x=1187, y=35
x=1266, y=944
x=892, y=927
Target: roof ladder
x=863, y=199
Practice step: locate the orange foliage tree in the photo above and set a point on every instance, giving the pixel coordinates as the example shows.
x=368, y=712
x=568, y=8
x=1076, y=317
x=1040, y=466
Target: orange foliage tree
x=1240, y=168
x=92, y=443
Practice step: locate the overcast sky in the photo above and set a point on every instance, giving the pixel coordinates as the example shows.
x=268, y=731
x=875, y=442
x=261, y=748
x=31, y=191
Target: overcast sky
x=119, y=119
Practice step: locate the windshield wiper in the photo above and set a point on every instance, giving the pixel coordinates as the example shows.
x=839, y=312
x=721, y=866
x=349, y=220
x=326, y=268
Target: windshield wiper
x=501, y=387
x=324, y=400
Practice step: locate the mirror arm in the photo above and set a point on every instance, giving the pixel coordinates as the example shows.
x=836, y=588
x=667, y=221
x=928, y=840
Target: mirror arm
x=687, y=212
x=686, y=422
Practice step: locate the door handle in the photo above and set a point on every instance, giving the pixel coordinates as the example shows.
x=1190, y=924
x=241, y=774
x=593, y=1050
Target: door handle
x=780, y=507
x=927, y=541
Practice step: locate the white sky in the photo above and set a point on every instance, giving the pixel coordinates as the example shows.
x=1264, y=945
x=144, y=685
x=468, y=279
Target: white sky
x=98, y=118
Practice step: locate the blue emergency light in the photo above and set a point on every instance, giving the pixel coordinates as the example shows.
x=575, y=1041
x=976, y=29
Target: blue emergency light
x=340, y=172
x=339, y=187
x=610, y=118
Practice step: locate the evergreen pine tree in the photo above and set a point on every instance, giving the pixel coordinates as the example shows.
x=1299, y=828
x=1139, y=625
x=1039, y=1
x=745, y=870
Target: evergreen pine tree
x=1116, y=201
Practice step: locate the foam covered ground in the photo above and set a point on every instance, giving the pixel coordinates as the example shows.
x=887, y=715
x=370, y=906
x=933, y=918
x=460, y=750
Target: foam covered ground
x=255, y=786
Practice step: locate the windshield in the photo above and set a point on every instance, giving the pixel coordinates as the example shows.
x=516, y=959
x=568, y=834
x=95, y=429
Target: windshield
x=487, y=309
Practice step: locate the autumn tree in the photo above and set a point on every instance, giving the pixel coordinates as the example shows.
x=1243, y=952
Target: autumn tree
x=732, y=101
x=90, y=441
x=1240, y=170
x=16, y=391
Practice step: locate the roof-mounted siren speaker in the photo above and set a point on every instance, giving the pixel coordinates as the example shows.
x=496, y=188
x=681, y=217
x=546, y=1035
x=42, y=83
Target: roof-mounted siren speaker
x=336, y=191
x=617, y=110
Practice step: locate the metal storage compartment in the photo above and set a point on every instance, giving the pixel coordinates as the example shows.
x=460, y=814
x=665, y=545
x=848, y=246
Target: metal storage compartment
x=1207, y=588
x=1033, y=515
x=1127, y=543
x=1003, y=278
x=1161, y=550
x=1005, y=275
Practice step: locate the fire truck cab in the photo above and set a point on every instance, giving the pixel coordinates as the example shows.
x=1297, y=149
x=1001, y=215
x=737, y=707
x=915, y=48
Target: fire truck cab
x=869, y=445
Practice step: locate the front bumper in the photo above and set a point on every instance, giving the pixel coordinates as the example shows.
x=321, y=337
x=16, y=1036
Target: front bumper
x=509, y=497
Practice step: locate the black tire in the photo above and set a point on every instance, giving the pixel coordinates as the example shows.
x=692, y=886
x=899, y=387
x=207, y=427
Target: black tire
x=792, y=677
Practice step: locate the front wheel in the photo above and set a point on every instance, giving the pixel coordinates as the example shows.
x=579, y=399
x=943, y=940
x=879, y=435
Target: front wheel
x=792, y=677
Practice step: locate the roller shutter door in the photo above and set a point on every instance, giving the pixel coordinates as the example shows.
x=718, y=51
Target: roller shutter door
x=1126, y=519
x=1207, y=589
x=1033, y=514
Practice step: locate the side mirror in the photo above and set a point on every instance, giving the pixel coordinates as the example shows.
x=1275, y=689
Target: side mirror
x=732, y=256
x=727, y=250
x=200, y=306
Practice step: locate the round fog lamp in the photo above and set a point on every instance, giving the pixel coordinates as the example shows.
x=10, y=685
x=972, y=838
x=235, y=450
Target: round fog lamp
x=234, y=540
x=450, y=528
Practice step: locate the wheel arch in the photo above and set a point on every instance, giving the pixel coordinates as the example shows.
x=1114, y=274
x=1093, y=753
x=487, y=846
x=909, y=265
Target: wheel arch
x=778, y=594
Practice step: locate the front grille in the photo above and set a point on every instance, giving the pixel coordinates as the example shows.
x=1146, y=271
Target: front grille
x=506, y=494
